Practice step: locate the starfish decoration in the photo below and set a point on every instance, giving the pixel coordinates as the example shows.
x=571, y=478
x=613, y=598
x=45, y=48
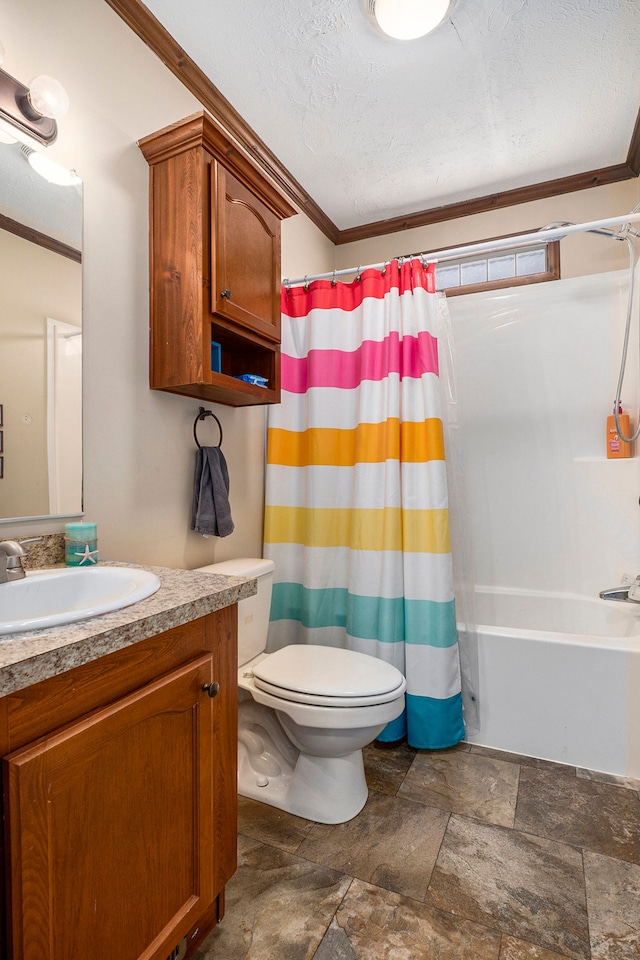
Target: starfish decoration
x=87, y=556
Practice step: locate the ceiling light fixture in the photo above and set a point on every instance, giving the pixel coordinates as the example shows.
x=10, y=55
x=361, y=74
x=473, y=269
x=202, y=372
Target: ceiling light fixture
x=407, y=19
x=34, y=109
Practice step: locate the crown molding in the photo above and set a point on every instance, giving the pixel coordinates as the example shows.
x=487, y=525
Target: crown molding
x=494, y=201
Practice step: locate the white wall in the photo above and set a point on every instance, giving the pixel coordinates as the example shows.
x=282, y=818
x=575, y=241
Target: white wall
x=138, y=446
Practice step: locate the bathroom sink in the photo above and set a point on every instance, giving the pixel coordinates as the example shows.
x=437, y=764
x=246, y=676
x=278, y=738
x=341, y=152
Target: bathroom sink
x=48, y=598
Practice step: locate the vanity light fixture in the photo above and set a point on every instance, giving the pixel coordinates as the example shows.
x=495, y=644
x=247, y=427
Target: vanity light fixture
x=407, y=19
x=32, y=110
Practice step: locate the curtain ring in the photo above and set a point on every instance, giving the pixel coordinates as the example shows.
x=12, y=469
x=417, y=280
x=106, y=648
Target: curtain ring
x=358, y=272
x=286, y=284
x=306, y=284
x=334, y=281
x=383, y=272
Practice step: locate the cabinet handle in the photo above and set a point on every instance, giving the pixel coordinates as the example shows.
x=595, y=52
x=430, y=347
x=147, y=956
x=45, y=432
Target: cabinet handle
x=226, y=294
x=211, y=689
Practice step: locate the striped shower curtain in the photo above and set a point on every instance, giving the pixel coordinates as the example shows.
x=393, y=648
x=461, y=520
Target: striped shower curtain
x=356, y=516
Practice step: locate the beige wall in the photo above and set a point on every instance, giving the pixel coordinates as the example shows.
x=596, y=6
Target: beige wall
x=579, y=255
x=138, y=446
x=36, y=284
x=305, y=249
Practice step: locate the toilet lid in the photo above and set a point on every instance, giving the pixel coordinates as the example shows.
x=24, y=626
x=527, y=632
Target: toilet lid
x=309, y=673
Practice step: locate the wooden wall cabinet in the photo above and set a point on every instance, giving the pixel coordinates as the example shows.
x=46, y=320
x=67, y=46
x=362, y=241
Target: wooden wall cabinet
x=120, y=799
x=215, y=266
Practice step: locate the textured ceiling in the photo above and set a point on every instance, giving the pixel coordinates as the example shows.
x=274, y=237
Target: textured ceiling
x=504, y=94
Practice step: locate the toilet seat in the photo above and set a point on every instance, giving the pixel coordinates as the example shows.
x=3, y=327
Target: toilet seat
x=327, y=676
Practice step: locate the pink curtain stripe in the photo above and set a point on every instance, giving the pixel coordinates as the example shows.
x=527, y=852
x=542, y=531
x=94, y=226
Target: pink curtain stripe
x=374, y=360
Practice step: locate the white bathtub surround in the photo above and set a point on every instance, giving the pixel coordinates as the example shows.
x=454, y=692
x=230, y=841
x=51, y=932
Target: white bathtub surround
x=536, y=371
x=547, y=518
x=559, y=676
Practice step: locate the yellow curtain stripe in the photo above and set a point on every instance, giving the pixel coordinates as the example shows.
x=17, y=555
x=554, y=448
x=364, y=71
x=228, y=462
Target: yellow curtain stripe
x=415, y=531
x=368, y=443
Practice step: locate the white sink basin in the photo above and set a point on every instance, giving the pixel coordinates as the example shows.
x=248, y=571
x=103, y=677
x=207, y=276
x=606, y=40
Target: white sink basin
x=48, y=598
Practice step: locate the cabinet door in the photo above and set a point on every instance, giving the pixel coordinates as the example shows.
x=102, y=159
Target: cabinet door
x=110, y=826
x=245, y=250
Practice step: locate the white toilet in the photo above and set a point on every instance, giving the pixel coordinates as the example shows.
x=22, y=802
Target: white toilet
x=305, y=712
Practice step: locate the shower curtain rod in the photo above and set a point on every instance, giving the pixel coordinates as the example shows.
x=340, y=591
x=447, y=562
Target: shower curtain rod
x=454, y=253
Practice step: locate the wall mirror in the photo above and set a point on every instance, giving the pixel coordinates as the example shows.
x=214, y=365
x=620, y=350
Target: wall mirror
x=40, y=341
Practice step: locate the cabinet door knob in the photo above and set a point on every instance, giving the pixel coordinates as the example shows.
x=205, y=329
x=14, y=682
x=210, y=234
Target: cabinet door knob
x=226, y=294
x=211, y=689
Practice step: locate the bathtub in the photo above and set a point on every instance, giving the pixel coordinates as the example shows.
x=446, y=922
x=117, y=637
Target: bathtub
x=559, y=678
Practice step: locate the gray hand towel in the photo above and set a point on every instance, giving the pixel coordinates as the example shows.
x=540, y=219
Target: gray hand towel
x=211, y=514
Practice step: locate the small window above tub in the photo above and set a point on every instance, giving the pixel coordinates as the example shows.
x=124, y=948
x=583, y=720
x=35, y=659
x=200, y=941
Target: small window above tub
x=496, y=270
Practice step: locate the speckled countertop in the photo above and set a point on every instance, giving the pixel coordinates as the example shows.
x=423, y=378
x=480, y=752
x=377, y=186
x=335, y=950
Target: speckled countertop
x=184, y=595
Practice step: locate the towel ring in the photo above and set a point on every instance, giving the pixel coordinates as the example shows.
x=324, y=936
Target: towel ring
x=202, y=416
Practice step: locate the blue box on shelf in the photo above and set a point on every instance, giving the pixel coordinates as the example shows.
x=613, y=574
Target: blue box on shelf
x=216, y=357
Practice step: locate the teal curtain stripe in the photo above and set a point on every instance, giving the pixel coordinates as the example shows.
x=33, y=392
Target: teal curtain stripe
x=427, y=723
x=394, y=620
x=312, y=608
x=431, y=623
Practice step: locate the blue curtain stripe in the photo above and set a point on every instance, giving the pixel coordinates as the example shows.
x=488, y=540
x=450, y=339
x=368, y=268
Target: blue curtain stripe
x=427, y=723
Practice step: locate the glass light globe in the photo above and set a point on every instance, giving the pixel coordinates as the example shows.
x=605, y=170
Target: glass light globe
x=52, y=171
x=48, y=97
x=409, y=19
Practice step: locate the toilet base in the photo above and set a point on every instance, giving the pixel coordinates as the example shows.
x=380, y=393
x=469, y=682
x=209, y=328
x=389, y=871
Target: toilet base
x=273, y=771
x=324, y=789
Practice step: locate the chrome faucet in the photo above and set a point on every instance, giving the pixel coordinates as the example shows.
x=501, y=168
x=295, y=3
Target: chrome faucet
x=629, y=592
x=12, y=554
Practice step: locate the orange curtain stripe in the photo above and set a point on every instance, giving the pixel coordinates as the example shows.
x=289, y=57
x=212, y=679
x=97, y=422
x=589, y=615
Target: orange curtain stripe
x=367, y=443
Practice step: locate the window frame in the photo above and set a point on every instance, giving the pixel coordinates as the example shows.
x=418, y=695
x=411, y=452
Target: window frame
x=551, y=273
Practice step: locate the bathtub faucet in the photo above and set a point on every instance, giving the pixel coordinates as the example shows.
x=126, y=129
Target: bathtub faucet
x=630, y=593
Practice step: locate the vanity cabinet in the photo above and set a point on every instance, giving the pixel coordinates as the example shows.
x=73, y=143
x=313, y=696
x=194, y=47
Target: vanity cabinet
x=215, y=266
x=120, y=799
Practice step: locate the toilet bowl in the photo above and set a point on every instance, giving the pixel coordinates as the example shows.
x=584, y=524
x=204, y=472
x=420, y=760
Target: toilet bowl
x=305, y=712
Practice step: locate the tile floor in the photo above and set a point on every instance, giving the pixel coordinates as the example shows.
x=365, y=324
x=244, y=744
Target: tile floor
x=461, y=854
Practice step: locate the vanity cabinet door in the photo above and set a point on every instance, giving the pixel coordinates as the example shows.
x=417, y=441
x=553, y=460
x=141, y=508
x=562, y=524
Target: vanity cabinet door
x=111, y=826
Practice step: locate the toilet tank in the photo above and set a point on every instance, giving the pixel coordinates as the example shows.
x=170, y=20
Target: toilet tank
x=253, y=613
